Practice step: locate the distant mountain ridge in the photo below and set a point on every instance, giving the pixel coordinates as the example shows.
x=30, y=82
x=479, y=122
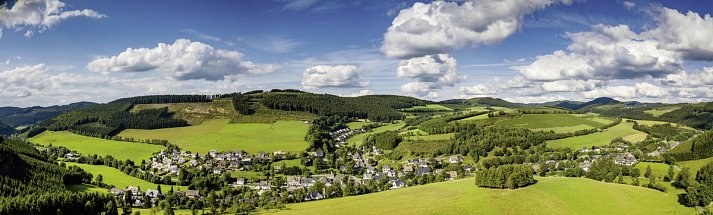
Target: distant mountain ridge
x=15, y=116
x=590, y=104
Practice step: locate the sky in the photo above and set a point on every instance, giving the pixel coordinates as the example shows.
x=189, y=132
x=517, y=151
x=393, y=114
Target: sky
x=63, y=51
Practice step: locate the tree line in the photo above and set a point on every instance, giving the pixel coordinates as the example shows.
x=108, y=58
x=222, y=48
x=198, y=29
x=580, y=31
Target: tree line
x=374, y=107
x=505, y=176
x=701, y=147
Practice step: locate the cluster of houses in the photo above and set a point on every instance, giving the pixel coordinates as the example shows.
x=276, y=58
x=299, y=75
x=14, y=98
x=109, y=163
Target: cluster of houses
x=341, y=135
x=169, y=162
x=151, y=196
x=661, y=149
x=619, y=153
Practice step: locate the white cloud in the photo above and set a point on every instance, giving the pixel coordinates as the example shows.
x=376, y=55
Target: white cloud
x=207, y=36
x=182, y=60
x=479, y=90
x=39, y=15
x=277, y=45
x=629, y=4
x=688, y=33
x=428, y=74
x=571, y=85
x=606, y=52
x=698, y=79
x=441, y=26
x=637, y=91
x=360, y=93
x=331, y=76
x=297, y=5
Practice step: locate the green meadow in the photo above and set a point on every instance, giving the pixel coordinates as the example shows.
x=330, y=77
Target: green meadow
x=89, y=145
x=657, y=169
x=623, y=130
x=660, y=111
x=358, y=139
x=556, y=122
x=551, y=195
x=221, y=135
x=447, y=136
x=427, y=108
x=119, y=179
x=86, y=188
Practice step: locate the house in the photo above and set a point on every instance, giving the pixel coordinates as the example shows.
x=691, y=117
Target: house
x=625, y=159
x=385, y=168
x=193, y=194
x=452, y=175
x=455, y=159
x=423, y=163
x=396, y=184
x=423, y=171
x=371, y=170
x=239, y=182
x=314, y=196
x=153, y=193
x=468, y=168
x=408, y=169
x=117, y=191
x=135, y=191
x=71, y=156
x=585, y=165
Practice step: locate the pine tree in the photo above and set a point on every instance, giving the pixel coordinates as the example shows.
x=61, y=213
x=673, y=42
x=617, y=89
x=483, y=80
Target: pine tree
x=648, y=171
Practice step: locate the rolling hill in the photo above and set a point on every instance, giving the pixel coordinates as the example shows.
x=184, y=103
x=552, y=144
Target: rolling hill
x=551, y=195
x=588, y=105
x=6, y=129
x=15, y=116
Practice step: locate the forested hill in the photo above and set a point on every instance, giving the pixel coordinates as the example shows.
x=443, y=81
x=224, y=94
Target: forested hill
x=699, y=116
x=6, y=129
x=483, y=101
x=14, y=116
x=32, y=184
x=373, y=107
x=108, y=119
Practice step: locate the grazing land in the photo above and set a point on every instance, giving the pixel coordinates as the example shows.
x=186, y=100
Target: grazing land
x=695, y=165
x=120, y=150
x=220, y=135
x=195, y=113
x=356, y=125
x=358, y=139
x=660, y=111
x=447, y=136
x=657, y=169
x=623, y=130
x=553, y=195
x=87, y=188
x=427, y=108
x=557, y=122
x=119, y=179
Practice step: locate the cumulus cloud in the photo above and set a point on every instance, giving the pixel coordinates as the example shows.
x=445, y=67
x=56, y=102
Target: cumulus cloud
x=479, y=90
x=688, y=33
x=638, y=90
x=182, y=60
x=606, y=52
x=571, y=85
x=701, y=78
x=331, y=76
x=428, y=74
x=442, y=26
x=629, y=4
x=39, y=15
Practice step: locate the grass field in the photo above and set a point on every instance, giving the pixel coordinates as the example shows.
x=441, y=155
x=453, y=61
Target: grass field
x=88, y=145
x=427, y=108
x=624, y=130
x=358, y=139
x=432, y=137
x=119, y=179
x=694, y=165
x=552, y=195
x=557, y=122
x=657, y=169
x=195, y=113
x=660, y=111
x=250, y=175
x=218, y=134
x=356, y=125
x=86, y=188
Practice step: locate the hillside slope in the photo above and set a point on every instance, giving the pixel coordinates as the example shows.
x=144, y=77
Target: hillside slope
x=14, y=116
x=6, y=129
x=550, y=195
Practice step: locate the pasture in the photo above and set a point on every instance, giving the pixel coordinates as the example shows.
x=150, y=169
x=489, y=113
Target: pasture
x=551, y=195
x=220, y=135
x=557, y=122
x=657, y=169
x=195, y=113
x=623, y=130
x=120, y=150
x=447, y=136
x=358, y=139
x=120, y=180
x=694, y=165
x=427, y=108
x=660, y=111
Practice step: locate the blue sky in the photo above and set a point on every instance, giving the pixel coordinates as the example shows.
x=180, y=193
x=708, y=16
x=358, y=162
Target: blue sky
x=77, y=50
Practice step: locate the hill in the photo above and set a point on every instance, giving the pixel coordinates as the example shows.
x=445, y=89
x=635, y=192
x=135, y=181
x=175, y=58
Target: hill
x=551, y=195
x=14, y=116
x=32, y=184
x=488, y=101
x=6, y=129
x=588, y=105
